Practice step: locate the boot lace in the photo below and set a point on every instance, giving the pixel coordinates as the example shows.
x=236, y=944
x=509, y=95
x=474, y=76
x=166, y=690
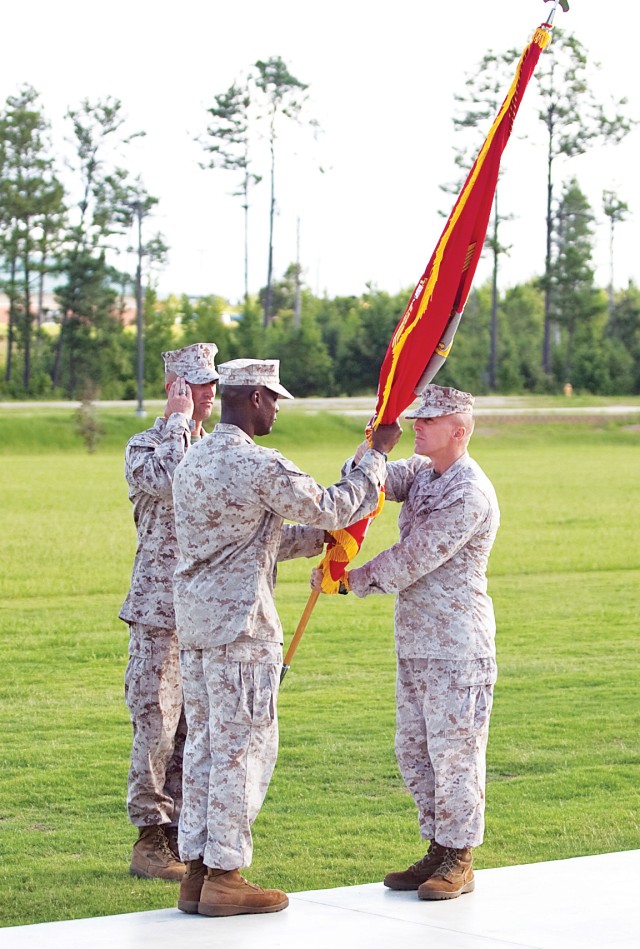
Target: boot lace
x=163, y=843
x=449, y=862
x=429, y=855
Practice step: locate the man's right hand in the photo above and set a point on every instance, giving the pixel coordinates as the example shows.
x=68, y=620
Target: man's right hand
x=384, y=437
x=179, y=398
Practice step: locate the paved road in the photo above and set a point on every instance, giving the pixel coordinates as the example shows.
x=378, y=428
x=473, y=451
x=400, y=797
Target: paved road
x=363, y=406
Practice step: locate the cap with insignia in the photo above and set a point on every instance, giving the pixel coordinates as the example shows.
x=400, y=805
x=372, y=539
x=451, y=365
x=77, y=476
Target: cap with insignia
x=253, y=372
x=442, y=400
x=195, y=363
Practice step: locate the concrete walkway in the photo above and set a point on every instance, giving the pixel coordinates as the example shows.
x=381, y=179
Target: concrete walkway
x=581, y=903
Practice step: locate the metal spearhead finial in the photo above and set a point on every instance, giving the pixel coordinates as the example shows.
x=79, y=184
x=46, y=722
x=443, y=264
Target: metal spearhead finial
x=565, y=6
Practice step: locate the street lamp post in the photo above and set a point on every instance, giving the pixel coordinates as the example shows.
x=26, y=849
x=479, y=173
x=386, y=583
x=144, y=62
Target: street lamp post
x=140, y=412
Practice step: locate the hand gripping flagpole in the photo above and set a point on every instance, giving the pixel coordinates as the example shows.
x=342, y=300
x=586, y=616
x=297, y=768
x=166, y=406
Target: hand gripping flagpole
x=340, y=551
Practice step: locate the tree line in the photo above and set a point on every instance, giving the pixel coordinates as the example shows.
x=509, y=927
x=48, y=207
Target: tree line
x=559, y=328
x=338, y=345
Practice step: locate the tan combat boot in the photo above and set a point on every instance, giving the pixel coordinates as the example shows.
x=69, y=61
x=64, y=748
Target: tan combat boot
x=152, y=856
x=227, y=893
x=453, y=877
x=418, y=872
x=191, y=886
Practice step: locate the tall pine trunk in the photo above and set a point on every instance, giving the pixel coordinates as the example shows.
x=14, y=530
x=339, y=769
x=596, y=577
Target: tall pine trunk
x=546, y=343
x=28, y=317
x=493, y=356
x=8, y=369
x=272, y=209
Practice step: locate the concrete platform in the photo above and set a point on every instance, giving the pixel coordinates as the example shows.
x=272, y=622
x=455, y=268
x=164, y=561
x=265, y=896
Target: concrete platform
x=582, y=903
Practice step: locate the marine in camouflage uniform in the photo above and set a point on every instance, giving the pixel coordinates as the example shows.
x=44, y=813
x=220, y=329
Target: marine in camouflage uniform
x=153, y=686
x=231, y=499
x=444, y=637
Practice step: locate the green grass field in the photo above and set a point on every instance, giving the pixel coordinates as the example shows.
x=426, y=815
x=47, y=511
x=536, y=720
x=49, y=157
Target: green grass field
x=564, y=748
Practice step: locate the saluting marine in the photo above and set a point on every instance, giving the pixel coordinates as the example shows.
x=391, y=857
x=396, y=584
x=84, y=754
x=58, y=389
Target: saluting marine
x=153, y=687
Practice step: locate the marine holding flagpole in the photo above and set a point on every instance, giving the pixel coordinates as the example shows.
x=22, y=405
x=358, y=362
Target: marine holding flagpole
x=444, y=637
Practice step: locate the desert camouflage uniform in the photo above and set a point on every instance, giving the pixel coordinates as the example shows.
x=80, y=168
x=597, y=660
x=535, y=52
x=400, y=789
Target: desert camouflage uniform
x=231, y=497
x=153, y=688
x=445, y=639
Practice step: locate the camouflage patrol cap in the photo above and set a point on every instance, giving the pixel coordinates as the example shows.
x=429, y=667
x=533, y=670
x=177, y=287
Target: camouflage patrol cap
x=253, y=372
x=194, y=362
x=442, y=400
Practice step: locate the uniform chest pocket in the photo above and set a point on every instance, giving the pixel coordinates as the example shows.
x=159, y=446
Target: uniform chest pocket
x=423, y=500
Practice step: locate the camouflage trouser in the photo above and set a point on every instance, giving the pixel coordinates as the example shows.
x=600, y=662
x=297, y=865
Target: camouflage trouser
x=443, y=711
x=153, y=693
x=230, y=695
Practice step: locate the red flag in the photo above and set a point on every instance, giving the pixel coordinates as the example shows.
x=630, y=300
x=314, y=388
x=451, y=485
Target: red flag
x=422, y=339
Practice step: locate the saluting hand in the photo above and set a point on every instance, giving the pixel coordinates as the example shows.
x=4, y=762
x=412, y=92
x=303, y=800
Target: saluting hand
x=179, y=398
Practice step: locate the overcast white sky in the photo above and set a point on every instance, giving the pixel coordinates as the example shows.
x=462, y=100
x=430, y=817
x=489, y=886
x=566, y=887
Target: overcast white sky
x=382, y=78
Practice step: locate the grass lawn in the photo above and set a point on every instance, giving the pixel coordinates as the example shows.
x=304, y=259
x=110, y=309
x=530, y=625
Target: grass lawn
x=564, y=748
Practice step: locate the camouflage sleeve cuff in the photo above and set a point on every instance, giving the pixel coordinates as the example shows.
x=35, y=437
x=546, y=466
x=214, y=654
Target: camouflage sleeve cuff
x=374, y=465
x=178, y=420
